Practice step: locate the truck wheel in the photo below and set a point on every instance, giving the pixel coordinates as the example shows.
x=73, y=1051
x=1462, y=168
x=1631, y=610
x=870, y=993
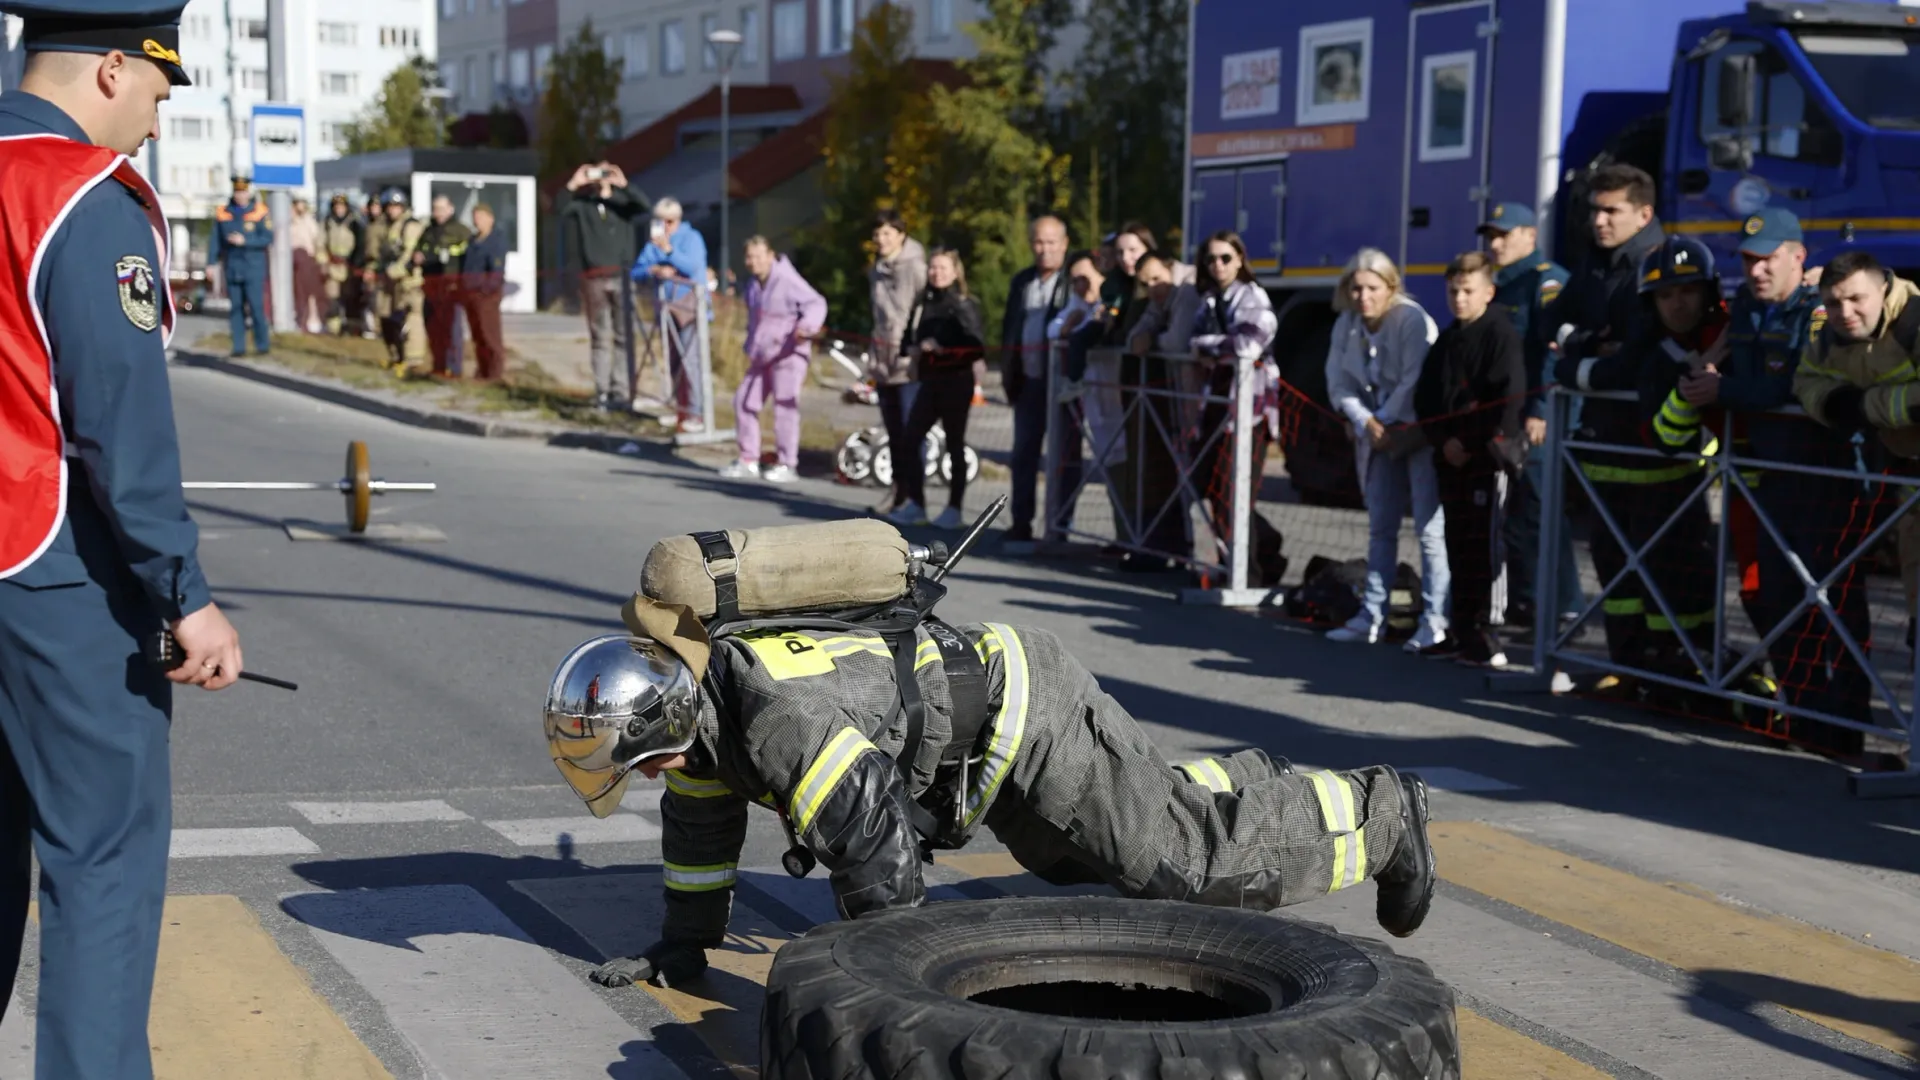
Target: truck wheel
x=1093, y=988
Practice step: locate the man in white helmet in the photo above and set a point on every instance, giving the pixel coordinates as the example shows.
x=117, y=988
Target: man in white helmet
x=1012, y=733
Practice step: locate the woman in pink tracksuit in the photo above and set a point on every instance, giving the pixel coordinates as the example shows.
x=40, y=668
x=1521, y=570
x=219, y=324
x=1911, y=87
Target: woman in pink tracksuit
x=784, y=315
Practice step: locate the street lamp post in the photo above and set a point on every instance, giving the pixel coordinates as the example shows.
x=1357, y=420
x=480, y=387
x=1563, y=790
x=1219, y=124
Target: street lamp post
x=725, y=44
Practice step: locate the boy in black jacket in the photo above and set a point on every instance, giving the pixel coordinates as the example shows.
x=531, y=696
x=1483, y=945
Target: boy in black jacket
x=1470, y=399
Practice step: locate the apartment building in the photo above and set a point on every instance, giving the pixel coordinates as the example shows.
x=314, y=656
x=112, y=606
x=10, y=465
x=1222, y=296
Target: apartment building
x=339, y=52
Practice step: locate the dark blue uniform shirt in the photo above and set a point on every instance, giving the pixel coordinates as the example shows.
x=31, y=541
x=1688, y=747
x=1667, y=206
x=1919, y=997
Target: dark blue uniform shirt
x=1764, y=343
x=485, y=266
x=246, y=261
x=125, y=510
x=1525, y=289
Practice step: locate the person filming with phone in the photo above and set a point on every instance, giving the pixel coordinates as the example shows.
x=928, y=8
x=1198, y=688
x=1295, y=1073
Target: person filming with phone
x=597, y=223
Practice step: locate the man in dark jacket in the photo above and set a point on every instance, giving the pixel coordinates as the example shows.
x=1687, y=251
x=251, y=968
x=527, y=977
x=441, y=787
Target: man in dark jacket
x=1597, y=314
x=1471, y=394
x=600, y=239
x=1035, y=296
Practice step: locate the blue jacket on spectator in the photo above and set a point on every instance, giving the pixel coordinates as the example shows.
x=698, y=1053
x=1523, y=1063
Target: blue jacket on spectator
x=689, y=257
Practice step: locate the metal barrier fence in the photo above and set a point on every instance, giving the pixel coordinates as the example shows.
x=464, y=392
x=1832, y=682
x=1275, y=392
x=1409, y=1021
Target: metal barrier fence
x=1819, y=627
x=1127, y=438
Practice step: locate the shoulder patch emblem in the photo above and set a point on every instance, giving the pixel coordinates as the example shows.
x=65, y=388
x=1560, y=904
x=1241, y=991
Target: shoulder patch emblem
x=1549, y=289
x=138, y=299
x=1818, y=321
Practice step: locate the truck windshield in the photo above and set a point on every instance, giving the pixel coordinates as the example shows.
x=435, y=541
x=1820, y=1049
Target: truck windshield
x=1876, y=76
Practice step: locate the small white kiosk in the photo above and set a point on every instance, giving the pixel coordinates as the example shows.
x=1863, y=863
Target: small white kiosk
x=503, y=179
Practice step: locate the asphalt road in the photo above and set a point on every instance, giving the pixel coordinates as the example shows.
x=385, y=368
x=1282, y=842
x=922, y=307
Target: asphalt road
x=386, y=861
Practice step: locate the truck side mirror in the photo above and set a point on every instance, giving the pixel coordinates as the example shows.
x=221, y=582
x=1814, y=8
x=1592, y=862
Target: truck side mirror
x=1736, y=90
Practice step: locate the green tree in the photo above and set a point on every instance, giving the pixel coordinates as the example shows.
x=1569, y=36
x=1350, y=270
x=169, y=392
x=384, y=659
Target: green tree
x=403, y=114
x=872, y=158
x=994, y=163
x=579, y=110
x=1129, y=89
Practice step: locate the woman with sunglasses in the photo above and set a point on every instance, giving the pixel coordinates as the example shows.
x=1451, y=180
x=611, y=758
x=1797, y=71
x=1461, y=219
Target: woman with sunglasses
x=1235, y=322
x=1379, y=347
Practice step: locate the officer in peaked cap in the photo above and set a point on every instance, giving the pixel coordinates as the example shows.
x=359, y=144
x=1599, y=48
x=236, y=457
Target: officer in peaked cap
x=97, y=552
x=1526, y=283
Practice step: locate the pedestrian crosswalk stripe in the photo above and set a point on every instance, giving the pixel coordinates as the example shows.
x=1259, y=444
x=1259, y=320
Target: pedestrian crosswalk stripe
x=378, y=813
x=214, y=843
x=1489, y=1050
x=470, y=992
x=1867, y=993
x=228, y=1003
x=559, y=831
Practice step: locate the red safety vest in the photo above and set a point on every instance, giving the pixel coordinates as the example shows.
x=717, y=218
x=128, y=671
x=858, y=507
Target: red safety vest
x=42, y=178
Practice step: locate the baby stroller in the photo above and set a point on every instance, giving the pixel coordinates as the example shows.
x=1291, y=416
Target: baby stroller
x=864, y=458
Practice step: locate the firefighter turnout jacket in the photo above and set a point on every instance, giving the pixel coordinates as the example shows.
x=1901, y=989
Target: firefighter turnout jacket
x=804, y=723
x=1881, y=368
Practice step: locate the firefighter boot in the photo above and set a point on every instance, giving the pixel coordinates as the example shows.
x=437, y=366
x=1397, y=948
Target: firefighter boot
x=1406, y=882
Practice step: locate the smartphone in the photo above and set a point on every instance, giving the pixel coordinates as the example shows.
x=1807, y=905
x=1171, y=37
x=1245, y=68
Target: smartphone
x=596, y=173
x=657, y=230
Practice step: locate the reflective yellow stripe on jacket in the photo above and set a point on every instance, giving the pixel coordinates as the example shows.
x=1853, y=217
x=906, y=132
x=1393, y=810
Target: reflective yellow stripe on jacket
x=1338, y=808
x=681, y=784
x=1207, y=771
x=706, y=878
x=1009, y=726
x=1620, y=474
x=824, y=775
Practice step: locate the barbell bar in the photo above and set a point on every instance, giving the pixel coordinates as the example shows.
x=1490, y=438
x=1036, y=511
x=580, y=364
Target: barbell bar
x=358, y=486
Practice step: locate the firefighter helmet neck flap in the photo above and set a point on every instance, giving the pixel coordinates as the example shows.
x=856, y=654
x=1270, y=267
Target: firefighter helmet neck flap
x=614, y=702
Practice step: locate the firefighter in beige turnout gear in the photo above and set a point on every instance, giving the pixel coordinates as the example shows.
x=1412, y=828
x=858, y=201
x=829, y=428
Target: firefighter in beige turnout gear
x=399, y=299
x=340, y=240
x=803, y=722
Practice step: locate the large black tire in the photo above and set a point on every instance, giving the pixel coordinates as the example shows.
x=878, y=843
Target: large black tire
x=988, y=990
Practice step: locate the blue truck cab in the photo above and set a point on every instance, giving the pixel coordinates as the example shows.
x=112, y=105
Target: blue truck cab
x=1315, y=128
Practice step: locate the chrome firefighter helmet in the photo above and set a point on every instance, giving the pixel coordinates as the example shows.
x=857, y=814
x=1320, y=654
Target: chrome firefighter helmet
x=614, y=702
x=1679, y=260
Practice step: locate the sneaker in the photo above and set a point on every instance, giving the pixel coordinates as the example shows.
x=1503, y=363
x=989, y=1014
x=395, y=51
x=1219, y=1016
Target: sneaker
x=1358, y=631
x=780, y=474
x=909, y=513
x=1447, y=648
x=1425, y=638
x=950, y=519
x=692, y=425
x=1407, y=879
x=1483, y=650
x=740, y=470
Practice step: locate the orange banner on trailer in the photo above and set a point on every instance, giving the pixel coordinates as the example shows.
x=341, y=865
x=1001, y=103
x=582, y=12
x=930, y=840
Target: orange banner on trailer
x=1237, y=144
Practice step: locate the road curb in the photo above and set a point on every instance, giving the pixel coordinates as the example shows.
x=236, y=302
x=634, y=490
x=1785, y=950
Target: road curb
x=418, y=416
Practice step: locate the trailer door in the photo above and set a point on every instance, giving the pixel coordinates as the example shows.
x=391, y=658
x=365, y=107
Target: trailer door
x=1247, y=199
x=1451, y=65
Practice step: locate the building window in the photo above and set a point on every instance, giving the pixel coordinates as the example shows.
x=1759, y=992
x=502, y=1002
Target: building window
x=450, y=76
x=836, y=27
x=542, y=64
x=253, y=79
x=496, y=74
x=339, y=33
x=198, y=26
x=471, y=92
x=518, y=74
x=202, y=77
x=449, y=8
x=790, y=30
x=250, y=29
x=673, y=47
x=333, y=133
x=339, y=83
x=750, y=35
x=638, y=52
x=709, y=56
x=940, y=20
x=399, y=37
x=189, y=127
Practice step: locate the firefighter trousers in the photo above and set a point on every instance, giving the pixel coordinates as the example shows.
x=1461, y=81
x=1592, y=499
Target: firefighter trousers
x=1091, y=799
x=1680, y=566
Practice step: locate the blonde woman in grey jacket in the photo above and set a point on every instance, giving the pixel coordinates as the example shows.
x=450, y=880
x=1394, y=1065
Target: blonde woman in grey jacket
x=1379, y=345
